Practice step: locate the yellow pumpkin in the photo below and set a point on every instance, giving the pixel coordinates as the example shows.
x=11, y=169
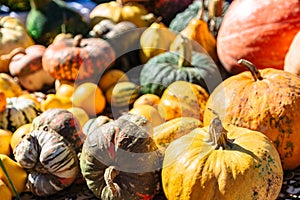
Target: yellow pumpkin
x=183, y=99
x=5, y=138
x=9, y=86
x=13, y=34
x=5, y=193
x=2, y=101
x=223, y=162
x=16, y=173
x=120, y=10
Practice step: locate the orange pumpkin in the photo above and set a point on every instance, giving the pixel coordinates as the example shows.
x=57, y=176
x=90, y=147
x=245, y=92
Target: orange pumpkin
x=265, y=100
x=2, y=101
x=259, y=31
x=292, y=60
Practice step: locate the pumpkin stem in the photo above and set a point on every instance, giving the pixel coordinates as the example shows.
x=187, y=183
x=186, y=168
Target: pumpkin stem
x=9, y=180
x=185, y=49
x=14, y=52
x=200, y=14
x=77, y=40
x=254, y=71
x=110, y=174
x=215, y=8
x=218, y=133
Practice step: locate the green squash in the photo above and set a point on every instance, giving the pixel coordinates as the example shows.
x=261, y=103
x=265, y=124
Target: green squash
x=19, y=111
x=186, y=65
x=182, y=19
x=120, y=160
x=46, y=19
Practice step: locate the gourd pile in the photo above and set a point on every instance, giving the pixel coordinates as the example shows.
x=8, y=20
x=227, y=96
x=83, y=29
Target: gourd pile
x=161, y=99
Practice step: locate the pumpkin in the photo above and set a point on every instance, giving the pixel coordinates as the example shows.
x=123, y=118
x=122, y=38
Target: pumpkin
x=5, y=138
x=187, y=65
x=13, y=35
x=78, y=58
x=50, y=159
x=122, y=94
x=26, y=65
x=183, y=99
x=291, y=59
x=120, y=160
x=257, y=33
x=262, y=100
x=5, y=192
x=17, y=175
x=120, y=10
x=147, y=99
x=94, y=123
x=154, y=40
x=62, y=122
x=222, y=162
x=173, y=129
x=9, y=86
x=19, y=134
x=3, y=101
x=56, y=101
x=111, y=77
x=90, y=98
x=19, y=111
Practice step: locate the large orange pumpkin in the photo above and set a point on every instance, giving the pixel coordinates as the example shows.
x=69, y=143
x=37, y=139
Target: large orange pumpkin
x=259, y=31
x=265, y=100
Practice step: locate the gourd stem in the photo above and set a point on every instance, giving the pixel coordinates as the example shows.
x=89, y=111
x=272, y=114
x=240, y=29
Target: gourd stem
x=77, y=40
x=185, y=52
x=109, y=175
x=218, y=133
x=254, y=71
x=200, y=14
x=215, y=8
x=14, y=52
x=9, y=180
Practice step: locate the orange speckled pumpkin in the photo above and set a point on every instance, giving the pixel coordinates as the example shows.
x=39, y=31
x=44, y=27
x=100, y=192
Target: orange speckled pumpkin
x=83, y=59
x=265, y=100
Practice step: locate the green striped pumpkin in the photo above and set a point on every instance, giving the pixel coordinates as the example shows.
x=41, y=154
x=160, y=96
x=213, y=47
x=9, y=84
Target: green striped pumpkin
x=19, y=111
x=122, y=94
x=52, y=163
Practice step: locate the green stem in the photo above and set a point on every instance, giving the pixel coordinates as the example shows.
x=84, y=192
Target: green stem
x=254, y=71
x=186, y=52
x=9, y=180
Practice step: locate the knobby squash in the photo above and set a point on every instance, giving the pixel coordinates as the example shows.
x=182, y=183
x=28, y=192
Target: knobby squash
x=120, y=160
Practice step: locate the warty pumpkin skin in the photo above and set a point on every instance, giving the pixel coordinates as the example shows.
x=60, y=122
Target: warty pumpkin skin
x=80, y=59
x=52, y=163
x=120, y=160
x=228, y=163
x=64, y=123
x=267, y=101
x=262, y=33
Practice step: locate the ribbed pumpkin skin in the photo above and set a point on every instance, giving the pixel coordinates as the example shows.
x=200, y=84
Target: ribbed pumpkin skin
x=257, y=33
x=85, y=62
x=125, y=144
x=194, y=170
x=270, y=105
x=51, y=161
x=64, y=123
x=162, y=70
x=19, y=111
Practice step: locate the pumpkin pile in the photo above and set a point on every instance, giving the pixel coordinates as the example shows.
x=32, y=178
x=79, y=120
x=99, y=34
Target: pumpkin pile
x=141, y=99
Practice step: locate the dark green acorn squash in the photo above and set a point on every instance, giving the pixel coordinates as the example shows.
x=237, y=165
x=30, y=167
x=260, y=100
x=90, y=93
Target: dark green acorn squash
x=120, y=160
x=185, y=65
